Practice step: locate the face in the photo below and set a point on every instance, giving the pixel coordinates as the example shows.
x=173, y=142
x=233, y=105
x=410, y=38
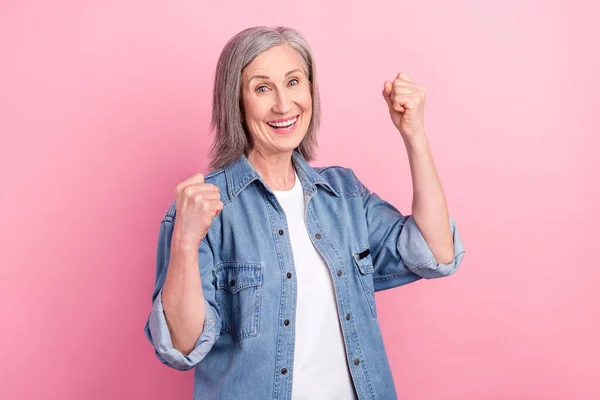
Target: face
x=275, y=92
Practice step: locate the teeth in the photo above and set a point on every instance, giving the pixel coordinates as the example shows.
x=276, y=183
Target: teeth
x=282, y=124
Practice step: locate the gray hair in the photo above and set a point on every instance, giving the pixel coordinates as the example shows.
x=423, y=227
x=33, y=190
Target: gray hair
x=231, y=137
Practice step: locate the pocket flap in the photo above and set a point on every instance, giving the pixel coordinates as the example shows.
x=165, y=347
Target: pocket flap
x=234, y=277
x=363, y=261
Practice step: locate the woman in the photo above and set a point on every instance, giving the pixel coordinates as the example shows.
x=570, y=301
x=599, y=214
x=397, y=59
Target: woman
x=267, y=267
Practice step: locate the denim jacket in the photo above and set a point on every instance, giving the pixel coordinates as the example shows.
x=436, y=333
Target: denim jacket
x=247, y=269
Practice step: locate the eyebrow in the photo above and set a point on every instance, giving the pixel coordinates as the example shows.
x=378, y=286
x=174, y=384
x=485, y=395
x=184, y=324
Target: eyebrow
x=268, y=77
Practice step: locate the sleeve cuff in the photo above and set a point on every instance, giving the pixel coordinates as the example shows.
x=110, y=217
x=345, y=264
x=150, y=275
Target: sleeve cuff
x=161, y=338
x=418, y=257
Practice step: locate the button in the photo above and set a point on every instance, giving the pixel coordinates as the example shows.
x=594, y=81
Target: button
x=281, y=231
x=284, y=370
x=286, y=322
x=339, y=273
x=289, y=275
x=232, y=283
x=318, y=236
x=356, y=362
x=348, y=317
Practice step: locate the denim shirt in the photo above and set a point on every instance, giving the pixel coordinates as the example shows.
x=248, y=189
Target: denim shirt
x=246, y=351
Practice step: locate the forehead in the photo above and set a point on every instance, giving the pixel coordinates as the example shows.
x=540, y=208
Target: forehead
x=274, y=62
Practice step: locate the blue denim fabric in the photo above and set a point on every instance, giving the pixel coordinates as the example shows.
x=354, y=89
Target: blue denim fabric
x=248, y=277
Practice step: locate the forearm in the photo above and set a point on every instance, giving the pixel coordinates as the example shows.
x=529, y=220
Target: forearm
x=429, y=208
x=183, y=300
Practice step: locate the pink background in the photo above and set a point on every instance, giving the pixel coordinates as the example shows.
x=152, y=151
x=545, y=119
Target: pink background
x=105, y=105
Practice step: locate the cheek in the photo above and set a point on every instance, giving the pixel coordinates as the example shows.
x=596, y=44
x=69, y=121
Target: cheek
x=254, y=110
x=306, y=101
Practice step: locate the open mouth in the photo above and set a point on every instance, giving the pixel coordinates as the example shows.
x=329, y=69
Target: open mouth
x=285, y=126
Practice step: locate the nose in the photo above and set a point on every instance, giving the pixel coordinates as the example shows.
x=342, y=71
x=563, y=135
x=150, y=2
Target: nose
x=282, y=103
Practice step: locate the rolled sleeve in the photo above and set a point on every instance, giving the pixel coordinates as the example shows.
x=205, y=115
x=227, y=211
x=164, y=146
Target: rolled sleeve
x=156, y=329
x=161, y=338
x=419, y=258
x=399, y=251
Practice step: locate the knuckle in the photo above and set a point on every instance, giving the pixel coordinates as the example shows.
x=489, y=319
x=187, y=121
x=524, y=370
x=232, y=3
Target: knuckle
x=187, y=191
x=200, y=199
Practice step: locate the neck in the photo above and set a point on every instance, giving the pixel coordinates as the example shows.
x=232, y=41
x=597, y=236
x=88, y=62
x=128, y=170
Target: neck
x=277, y=170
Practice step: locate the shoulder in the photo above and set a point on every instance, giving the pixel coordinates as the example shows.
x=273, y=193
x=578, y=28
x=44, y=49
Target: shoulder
x=216, y=177
x=341, y=179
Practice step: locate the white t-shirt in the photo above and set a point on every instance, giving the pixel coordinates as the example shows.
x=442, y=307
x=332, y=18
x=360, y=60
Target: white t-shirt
x=320, y=367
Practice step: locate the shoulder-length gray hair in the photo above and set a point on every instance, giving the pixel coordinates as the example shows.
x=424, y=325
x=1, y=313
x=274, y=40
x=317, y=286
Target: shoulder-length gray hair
x=231, y=138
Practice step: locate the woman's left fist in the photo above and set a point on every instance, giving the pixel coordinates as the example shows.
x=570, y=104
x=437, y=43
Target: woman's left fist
x=406, y=101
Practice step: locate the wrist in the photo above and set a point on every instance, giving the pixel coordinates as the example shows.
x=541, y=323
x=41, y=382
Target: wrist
x=183, y=244
x=416, y=143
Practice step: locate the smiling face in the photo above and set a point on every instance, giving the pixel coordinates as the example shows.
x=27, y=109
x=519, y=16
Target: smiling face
x=275, y=94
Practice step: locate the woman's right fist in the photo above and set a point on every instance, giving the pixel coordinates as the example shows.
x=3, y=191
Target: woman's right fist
x=196, y=204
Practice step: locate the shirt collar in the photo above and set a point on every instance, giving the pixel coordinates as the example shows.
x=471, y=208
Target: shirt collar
x=241, y=173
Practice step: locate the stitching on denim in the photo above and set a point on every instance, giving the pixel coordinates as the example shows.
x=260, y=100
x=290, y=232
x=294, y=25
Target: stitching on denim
x=243, y=184
x=369, y=295
x=227, y=326
x=388, y=277
x=214, y=173
x=422, y=265
x=239, y=287
x=319, y=180
x=434, y=261
x=241, y=333
x=229, y=182
x=255, y=268
x=351, y=193
x=362, y=188
x=364, y=264
x=283, y=295
x=325, y=237
x=244, y=264
x=348, y=306
x=321, y=169
x=368, y=381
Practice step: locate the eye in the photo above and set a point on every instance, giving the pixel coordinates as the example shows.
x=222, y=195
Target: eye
x=295, y=80
x=260, y=87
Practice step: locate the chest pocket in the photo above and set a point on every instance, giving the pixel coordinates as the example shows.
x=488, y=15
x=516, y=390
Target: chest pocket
x=238, y=297
x=364, y=263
